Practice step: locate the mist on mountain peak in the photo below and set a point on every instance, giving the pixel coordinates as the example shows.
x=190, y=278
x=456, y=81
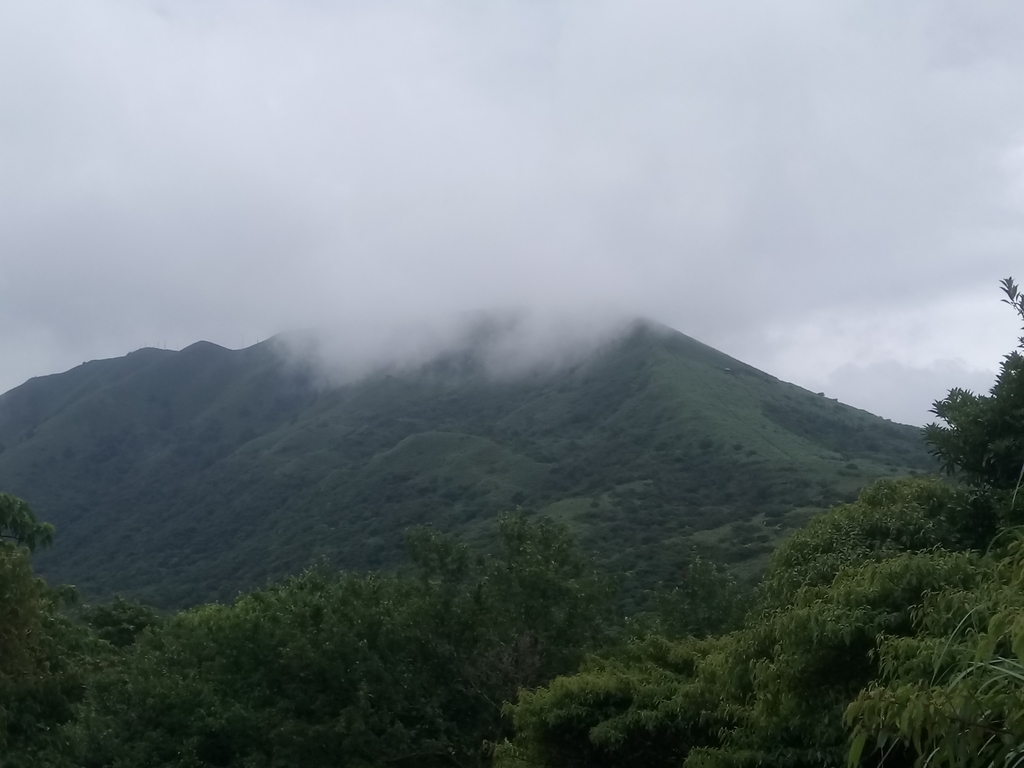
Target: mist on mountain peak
x=500, y=344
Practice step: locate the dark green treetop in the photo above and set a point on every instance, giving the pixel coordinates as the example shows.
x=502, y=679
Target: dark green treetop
x=981, y=439
x=18, y=524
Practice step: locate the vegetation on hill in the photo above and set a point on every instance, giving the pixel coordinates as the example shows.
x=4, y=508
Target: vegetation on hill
x=179, y=477
x=888, y=632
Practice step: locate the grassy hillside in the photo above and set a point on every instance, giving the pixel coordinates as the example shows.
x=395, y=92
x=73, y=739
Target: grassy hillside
x=187, y=476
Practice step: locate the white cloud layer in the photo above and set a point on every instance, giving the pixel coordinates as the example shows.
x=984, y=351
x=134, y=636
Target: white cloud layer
x=829, y=191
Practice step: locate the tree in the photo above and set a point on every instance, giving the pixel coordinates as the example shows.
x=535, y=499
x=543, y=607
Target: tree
x=980, y=439
x=705, y=601
x=120, y=621
x=354, y=671
x=774, y=691
x=39, y=670
x=18, y=525
x=952, y=694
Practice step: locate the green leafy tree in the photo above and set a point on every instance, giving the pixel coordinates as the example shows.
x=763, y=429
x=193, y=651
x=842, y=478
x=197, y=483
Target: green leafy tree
x=347, y=670
x=980, y=438
x=952, y=694
x=705, y=600
x=18, y=525
x=120, y=621
x=646, y=704
x=774, y=691
x=39, y=649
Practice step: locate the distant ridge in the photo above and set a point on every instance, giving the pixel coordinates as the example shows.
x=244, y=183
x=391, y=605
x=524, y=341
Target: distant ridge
x=182, y=477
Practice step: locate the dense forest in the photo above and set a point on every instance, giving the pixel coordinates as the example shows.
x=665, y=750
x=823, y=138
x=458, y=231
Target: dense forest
x=888, y=631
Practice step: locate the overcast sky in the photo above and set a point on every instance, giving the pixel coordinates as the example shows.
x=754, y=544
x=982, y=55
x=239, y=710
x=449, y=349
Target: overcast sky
x=827, y=190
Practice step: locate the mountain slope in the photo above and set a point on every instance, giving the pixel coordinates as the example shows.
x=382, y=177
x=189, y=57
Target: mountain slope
x=187, y=476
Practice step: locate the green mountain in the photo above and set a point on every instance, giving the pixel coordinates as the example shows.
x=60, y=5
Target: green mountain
x=182, y=477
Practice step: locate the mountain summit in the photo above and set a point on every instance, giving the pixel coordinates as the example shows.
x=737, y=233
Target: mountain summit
x=182, y=477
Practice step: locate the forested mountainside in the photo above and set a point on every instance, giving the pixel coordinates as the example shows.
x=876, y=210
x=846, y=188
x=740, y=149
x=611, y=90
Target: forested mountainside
x=183, y=477
x=885, y=632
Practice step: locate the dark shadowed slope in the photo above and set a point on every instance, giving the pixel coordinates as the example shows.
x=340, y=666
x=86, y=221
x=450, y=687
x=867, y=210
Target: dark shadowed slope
x=188, y=476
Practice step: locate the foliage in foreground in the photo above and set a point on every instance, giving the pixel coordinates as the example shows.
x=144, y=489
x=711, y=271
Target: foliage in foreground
x=328, y=670
x=955, y=690
x=331, y=669
x=41, y=653
x=773, y=692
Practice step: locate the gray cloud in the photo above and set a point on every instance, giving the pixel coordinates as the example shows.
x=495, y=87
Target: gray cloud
x=905, y=392
x=813, y=187
x=502, y=342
